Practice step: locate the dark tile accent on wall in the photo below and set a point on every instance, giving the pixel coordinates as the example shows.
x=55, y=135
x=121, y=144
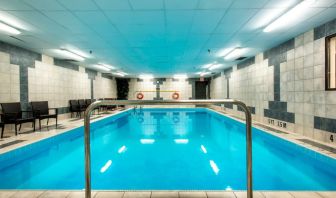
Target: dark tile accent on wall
x=24, y=98
x=228, y=71
x=20, y=56
x=24, y=58
x=107, y=75
x=63, y=110
x=252, y=109
x=91, y=73
x=66, y=64
x=216, y=76
x=280, y=115
x=228, y=105
x=246, y=63
x=326, y=124
x=276, y=56
x=158, y=82
x=324, y=30
x=139, y=80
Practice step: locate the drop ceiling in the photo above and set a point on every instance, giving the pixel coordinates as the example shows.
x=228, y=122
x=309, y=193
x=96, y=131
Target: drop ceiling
x=160, y=37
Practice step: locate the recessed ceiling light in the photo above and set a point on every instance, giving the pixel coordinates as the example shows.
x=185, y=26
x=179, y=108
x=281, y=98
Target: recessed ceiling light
x=235, y=53
x=8, y=29
x=70, y=54
x=215, y=66
x=122, y=74
x=107, y=65
x=291, y=16
x=180, y=76
x=224, y=52
x=102, y=67
x=146, y=76
x=204, y=73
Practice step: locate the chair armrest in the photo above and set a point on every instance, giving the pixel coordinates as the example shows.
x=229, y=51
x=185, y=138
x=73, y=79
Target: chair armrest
x=56, y=110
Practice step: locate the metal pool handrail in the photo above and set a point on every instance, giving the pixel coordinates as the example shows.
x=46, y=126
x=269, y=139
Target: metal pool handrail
x=166, y=102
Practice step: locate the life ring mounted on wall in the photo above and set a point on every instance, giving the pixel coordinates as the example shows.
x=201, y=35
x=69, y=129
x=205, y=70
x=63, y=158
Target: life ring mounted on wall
x=140, y=96
x=176, y=96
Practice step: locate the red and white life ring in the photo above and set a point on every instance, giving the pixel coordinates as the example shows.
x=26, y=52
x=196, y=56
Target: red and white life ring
x=176, y=96
x=140, y=96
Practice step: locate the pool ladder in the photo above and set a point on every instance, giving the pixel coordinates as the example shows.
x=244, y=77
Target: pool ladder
x=96, y=104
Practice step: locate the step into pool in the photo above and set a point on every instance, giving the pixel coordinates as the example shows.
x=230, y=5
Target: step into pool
x=166, y=149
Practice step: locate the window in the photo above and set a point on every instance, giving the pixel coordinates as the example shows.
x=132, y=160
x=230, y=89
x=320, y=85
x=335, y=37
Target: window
x=331, y=62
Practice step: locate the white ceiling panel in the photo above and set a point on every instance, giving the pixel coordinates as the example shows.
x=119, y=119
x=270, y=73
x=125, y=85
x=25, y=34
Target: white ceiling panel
x=235, y=19
x=205, y=21
x=147, y=4
x=113, y=4
x=181, y=5
x=76, y=5
x=44, y=4
x=215, y=4
x=14, y=5
x=158, y=36
x=249, y=4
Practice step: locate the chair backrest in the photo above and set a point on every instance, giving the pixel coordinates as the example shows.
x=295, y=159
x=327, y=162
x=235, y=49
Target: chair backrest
x=11, y=110
x=88, y=102
x=40, y=107
x=74, y=105
x=82, y=102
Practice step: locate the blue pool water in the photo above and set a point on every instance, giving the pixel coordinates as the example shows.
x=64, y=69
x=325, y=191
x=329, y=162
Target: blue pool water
x=162, y=149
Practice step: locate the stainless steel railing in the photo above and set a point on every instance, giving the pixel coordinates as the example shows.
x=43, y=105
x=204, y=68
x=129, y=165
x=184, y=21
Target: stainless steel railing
x=166, y=102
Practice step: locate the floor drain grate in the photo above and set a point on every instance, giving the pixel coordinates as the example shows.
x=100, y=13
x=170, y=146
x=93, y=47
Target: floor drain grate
x=319, y=145
x=11, y=143
x=270, y=128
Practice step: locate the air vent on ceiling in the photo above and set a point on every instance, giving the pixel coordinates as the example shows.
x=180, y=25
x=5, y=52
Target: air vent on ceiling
x=240, y=58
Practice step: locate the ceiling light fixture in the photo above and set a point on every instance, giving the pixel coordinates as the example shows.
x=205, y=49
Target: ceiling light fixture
x=122, y=74
x=180, y=76
x=102, y=67
x=235, y=53
x=6, y=28
x=215, y=66
x=224, y=52
x=70, y=54
x=206, y=66
x=146, y=76
x=290, y=16
x=107, y=65
x=204, y=73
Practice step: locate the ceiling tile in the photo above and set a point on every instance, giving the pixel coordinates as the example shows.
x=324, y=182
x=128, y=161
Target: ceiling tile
x=249, y=3
x=147, y=4
x=234, y=19
x=113, y=4
x=14, y=5
x=205, y=21
x=78, y=5
x=179, y=5
x=215, y=4
x=45, y=4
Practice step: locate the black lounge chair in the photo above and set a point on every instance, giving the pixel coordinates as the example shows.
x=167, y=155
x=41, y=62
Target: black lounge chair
x=75, y=108
x=82, y=104
x=13, y=114
x=41, y=111
x=2, y=125
x=88, y=102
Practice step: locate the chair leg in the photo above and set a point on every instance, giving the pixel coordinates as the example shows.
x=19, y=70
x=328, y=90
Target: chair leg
x=47, y=121
x=40, y=123
x=34, y=126
x=2, y=131
x=16, y=129
x=20, y=128
x=56, y=122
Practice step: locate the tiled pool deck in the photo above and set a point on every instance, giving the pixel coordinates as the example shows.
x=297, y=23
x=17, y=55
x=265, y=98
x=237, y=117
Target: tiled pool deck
x=28, y=137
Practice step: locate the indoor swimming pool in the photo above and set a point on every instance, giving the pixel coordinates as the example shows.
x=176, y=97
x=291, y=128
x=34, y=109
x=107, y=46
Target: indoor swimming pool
x=166, y=149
